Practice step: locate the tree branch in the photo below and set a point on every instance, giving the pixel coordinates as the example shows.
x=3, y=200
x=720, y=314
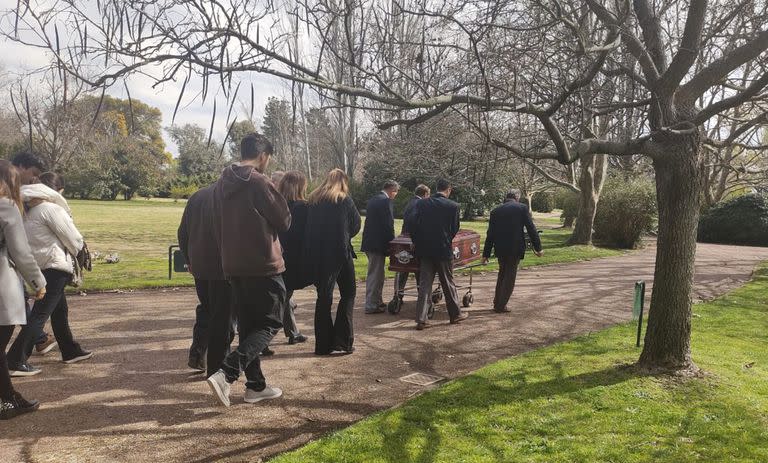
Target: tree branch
x=416, y=120
x=689, y=48
x=733, y=101
x=587, y=76
x=717, y=70
x=649, y=24
x=616, y=148
x=634, y=45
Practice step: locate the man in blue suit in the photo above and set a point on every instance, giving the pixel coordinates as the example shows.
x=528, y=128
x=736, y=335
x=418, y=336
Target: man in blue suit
x=378, y=232
x=506, y=236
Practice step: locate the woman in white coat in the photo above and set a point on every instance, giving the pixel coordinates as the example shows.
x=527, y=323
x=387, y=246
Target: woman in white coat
x=55, y=241
x=15, y=258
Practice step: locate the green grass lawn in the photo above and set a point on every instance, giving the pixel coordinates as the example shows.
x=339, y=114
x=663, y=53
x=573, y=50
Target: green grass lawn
x=577, y=402
x=140, y=231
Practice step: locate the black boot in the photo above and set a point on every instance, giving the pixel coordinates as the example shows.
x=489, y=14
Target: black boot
x=18, y=405
x=267, y=352
x=197, y=360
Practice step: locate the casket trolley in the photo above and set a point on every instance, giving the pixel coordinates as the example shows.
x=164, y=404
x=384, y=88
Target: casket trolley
x=466, y=256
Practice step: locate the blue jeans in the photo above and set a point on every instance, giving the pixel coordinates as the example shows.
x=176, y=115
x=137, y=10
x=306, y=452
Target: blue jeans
x=259, y=303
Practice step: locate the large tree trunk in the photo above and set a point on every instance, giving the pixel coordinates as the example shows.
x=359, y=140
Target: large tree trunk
x=668, y=337
x=591, y=179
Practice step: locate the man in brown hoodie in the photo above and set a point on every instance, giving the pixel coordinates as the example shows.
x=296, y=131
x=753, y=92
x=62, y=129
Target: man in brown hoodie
x=248, y=214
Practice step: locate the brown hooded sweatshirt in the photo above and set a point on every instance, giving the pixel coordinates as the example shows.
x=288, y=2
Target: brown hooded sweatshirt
x=250, y=213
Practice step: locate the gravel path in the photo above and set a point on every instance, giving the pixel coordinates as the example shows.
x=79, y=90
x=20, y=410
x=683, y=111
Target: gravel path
x=137, y=401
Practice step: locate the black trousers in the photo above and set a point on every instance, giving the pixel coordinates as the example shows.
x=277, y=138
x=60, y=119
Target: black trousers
x=505, y=282
x=214, y=328
x=259, y=303
x=330, y=335
x=202, y=319
x=53, y=306
x=43, y=335
x=289, y=317
x=6, y=388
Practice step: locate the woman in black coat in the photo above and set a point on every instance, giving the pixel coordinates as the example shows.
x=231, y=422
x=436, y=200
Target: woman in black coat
x=332, y=221
x=293, y=187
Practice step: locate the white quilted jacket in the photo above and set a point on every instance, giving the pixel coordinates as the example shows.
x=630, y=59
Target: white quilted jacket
x=52, y=234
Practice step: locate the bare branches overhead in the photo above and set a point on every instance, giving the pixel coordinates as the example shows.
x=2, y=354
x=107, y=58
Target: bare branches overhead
x=559, y=61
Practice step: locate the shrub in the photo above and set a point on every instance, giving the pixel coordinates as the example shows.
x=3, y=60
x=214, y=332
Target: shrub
x=626, y=210
x=398, y=205
x=543, y=202
x=183, y=183
x=742, y=220
x=568, y=201
x=183, y=192
x=357, y=191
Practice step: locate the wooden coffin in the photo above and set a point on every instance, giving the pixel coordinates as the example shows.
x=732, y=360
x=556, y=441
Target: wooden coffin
x=466, y=249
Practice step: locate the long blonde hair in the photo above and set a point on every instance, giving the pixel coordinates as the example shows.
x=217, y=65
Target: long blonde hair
x=9, y=184
x=293, y=186
x=334, y=189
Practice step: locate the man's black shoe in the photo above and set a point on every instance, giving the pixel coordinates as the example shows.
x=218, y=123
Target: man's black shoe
x=297, y=339
x=23, y=370
x=267, y=352
x=344, y=350
x=196, y=362
x=78, y=356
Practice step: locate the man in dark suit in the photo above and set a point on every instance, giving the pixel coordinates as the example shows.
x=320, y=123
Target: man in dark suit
x=505, y=235
x=378, y=232
x=433, y=224
x=422, y=191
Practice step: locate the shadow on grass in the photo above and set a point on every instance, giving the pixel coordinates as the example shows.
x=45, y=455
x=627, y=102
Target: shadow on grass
x=416, y=424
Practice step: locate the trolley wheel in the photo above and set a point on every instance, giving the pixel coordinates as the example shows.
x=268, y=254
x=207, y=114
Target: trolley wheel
x=437, y=296
x=431, y=311
x=467, y=300
x=395, y=305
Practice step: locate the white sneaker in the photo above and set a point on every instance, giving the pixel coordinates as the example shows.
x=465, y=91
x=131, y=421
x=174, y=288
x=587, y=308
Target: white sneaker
x=269, y=392
x=220, y=387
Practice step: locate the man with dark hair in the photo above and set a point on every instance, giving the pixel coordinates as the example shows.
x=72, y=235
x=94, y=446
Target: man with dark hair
x=422, y=191
x=506, y=236
x=29, y=166
x=378, y=232
x=433, y=223
x=212, y=333
x=249, y=213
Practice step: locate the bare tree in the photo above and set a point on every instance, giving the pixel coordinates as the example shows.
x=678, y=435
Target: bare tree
x=54, y=125
x=561, y=63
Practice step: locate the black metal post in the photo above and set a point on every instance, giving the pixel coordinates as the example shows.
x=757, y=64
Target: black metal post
x=170, y=261
x=640, y=294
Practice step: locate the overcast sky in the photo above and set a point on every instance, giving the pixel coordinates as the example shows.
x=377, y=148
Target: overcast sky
x=21, y=60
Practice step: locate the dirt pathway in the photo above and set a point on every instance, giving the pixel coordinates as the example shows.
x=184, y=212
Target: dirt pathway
x=137, y=401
